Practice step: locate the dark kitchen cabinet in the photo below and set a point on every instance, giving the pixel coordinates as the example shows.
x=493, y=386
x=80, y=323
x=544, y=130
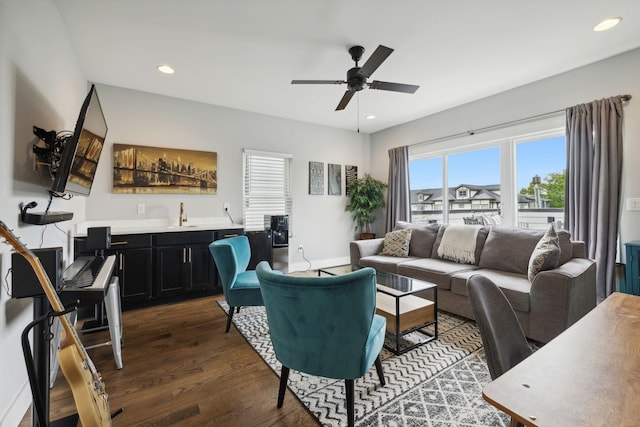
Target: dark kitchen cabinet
x=183, y=264
x=156, y=267
x=133, y=264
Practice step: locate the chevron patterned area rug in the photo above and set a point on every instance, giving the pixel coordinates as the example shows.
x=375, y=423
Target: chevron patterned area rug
x=438, y=384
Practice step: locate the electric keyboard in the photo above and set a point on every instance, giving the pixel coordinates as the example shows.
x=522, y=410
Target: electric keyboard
x=89, y=272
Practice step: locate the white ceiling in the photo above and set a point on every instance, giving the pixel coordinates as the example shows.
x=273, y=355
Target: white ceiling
x=243, y=54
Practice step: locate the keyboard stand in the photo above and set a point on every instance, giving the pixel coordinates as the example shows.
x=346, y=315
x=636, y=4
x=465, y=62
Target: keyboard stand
x=114, y=321
x=114, y=317
x=106, y=290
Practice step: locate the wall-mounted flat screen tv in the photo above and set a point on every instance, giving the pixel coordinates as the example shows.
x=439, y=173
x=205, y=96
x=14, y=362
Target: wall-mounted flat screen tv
x=80, y=155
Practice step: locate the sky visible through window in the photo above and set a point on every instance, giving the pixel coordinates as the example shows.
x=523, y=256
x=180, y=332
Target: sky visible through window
x=540, y=158
x=482, y=167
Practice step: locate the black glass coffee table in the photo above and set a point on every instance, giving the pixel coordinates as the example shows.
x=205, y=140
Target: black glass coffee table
x=409, y=305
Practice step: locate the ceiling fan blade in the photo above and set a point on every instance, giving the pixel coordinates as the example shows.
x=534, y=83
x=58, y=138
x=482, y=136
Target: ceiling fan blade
x=317, y=82
x=345, y=100
x=374, y=61
x=394, y=87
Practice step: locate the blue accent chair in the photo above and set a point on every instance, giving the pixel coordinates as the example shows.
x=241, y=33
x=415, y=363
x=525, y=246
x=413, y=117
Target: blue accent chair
x=324, y=326
x=240, y=287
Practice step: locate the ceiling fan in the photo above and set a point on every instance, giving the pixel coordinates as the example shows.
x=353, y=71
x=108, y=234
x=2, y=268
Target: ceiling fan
x=357, y=76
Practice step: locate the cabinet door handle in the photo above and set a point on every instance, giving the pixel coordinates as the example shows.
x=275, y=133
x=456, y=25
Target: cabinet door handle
x=230, y=235
x=119, y=243
x=189, y=255
x=184, y=255
x=121, y=261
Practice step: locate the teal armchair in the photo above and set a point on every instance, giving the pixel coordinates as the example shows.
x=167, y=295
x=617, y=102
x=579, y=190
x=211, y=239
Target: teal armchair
x=240, y=287
x=324, y=326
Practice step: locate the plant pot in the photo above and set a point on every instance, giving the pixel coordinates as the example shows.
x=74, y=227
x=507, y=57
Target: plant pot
x=367, y=236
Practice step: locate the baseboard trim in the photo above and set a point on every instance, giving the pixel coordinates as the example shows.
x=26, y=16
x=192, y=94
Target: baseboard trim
x=316, y=264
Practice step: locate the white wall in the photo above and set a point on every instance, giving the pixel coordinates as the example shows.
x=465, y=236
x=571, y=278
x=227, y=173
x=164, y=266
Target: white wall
x=320, y=223
x=40, y=84
x=617, y=75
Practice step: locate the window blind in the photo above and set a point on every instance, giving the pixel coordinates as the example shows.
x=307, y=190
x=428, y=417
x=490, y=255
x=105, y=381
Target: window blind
x=266, y=187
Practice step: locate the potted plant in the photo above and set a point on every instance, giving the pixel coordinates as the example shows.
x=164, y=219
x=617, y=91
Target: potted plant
x=367, y=195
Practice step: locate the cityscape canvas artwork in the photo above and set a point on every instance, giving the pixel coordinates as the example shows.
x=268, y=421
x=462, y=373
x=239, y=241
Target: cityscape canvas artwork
x=155, y=170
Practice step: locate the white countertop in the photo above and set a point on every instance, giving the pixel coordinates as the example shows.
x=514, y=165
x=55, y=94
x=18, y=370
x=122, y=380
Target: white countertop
x=141, y=226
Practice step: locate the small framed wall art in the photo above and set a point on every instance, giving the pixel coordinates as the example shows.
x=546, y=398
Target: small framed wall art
x=350, y=175
x=316, y=178
x=334, y=179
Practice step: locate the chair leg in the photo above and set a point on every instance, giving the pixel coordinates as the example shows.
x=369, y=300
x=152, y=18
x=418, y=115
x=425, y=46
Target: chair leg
x=284, y=376
x=380, y=371
x=515, y=423
x=229, y=317
x=348, y=384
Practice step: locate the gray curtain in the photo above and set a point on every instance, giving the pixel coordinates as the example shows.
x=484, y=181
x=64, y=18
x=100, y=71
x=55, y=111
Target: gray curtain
x=398, y=204
x=592, y=195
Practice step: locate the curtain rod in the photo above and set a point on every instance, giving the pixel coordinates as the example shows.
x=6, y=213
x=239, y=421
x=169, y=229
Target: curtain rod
x=501, y=125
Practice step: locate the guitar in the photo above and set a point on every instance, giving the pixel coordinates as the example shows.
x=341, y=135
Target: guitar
x=86, y=384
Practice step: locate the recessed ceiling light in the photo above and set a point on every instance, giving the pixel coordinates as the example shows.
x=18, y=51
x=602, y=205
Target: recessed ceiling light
x=370, y=117
x=166, y=69
x=607, y=24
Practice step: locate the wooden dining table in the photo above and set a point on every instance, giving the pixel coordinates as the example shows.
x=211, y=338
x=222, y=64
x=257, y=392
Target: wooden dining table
x=589, y=375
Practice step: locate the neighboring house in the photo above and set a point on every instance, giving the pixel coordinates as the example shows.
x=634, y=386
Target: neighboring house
x=528, y=201
x=463, y=197
x=469, y=198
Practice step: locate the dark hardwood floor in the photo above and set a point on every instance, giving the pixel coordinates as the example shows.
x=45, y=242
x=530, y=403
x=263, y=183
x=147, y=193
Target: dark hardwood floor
x=181, y=369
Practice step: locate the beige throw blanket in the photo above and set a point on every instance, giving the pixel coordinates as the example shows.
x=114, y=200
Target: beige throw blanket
x=459, y=243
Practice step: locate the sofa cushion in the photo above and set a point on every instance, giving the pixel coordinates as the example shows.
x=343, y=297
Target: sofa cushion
x=396, y=243
x=509, y=249
x=432, y=270
x=383, y=262
x=516, y=287
x=480, y=241
x=422, y=237
x=564, y=237
x=546, y=254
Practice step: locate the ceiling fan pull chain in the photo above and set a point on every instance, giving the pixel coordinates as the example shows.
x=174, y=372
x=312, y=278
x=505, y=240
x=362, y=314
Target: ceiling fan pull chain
x=358, y=110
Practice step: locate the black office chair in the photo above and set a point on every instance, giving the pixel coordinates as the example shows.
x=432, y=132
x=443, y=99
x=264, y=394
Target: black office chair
x=502, y=337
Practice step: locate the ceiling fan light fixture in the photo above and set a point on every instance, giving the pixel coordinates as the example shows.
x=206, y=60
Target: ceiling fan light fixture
x=607, y=24
x=356, y=81
x=165, y=69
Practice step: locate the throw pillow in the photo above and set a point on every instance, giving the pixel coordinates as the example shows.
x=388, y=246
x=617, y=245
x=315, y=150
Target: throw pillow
x=396, y=243
x=546, y=254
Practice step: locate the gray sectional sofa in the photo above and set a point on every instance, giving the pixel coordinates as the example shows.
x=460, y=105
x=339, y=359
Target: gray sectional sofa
x=549, y=304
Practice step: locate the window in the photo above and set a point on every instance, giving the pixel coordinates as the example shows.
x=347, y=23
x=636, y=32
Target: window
x=425, y=176
x=476, y=174
x=541, y=164
x=473, y=179
x=511, y=176
x=266, y=187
